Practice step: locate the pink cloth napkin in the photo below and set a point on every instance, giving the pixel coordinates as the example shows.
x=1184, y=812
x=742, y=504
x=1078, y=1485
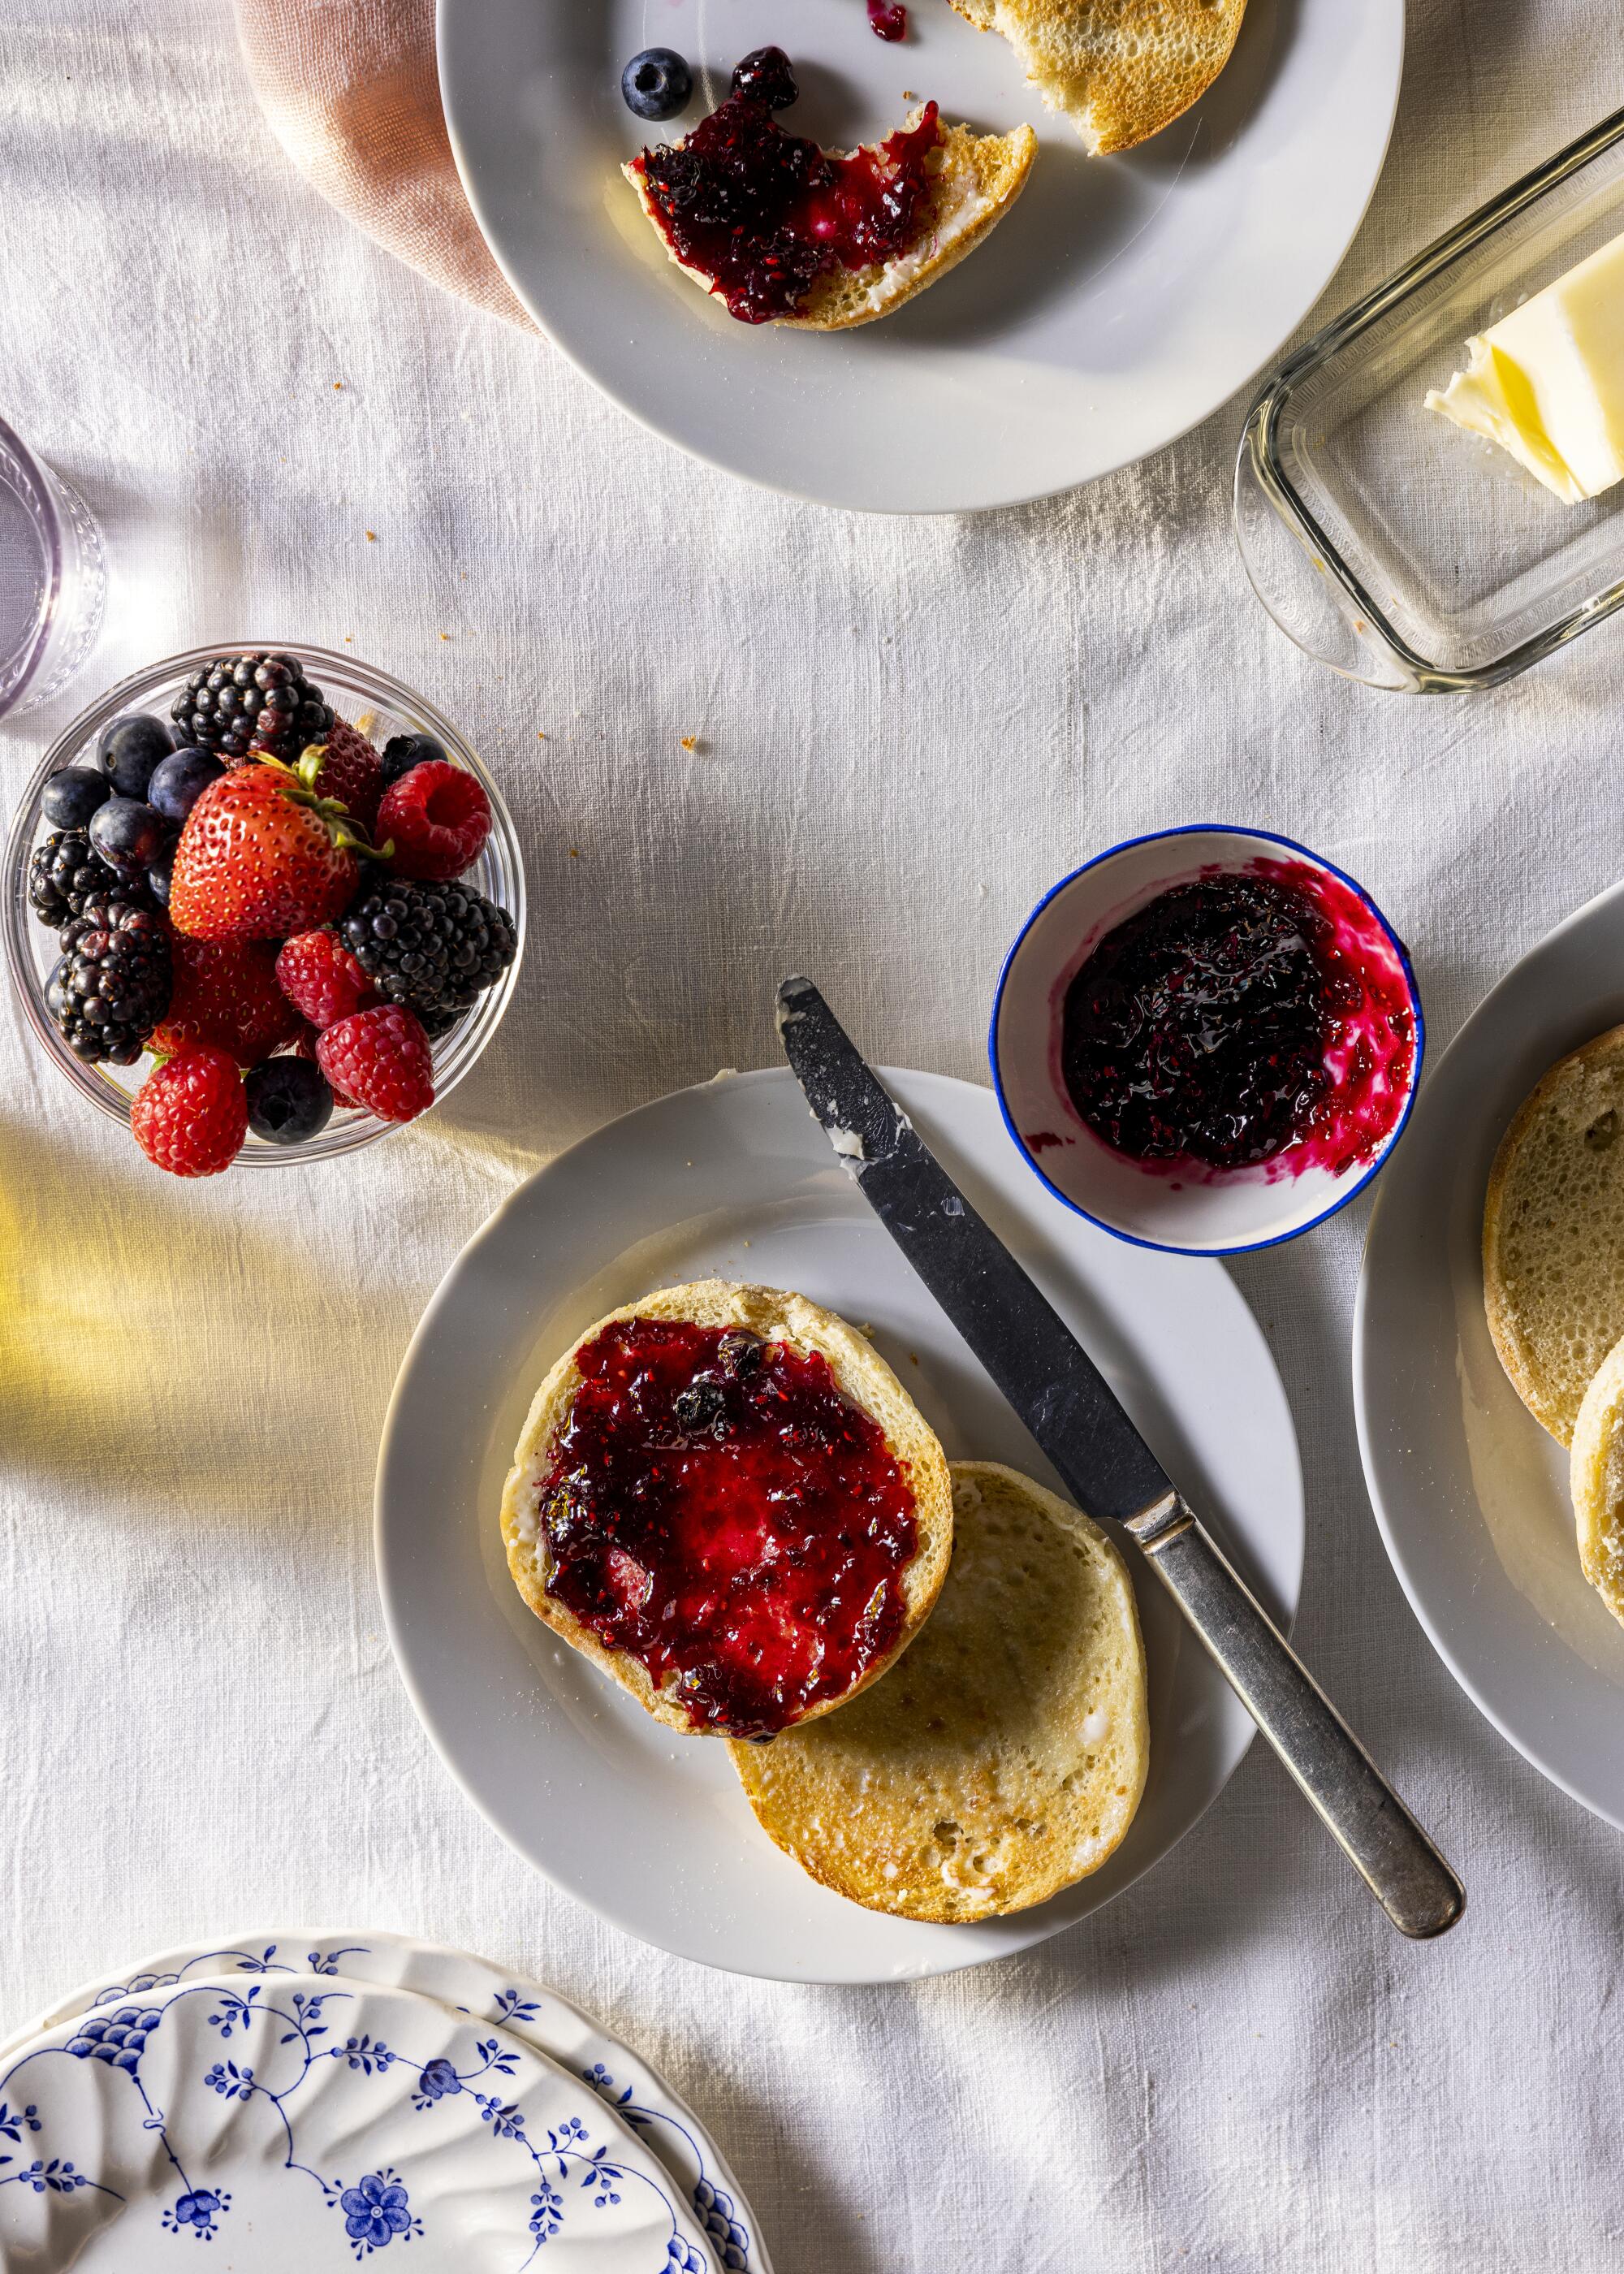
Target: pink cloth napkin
x=350, y=88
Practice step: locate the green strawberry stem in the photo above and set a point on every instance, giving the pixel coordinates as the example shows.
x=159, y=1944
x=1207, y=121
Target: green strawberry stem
x=298, y=785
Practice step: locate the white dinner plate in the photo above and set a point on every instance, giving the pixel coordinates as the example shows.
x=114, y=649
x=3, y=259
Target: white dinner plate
x=314, y=2122
x=1120, y=302
x=1470, y=1494
x=472, y=1987
x=733, y=1178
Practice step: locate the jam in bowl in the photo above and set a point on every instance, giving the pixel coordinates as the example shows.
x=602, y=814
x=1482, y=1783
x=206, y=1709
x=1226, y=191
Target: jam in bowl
x=1206, y=1040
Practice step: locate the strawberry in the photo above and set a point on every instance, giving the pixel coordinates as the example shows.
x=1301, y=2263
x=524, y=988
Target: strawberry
x=190, y=1117
x=225, y=995
x=351, y=770
x=381, y=1059
x=436, y=819
x=261, y=857
x=316, y=972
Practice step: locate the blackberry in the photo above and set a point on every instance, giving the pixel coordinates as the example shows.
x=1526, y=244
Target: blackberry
x=112, y=985
x=261, y=702
x=402, y=752
x=433, y=947
x=64, y=873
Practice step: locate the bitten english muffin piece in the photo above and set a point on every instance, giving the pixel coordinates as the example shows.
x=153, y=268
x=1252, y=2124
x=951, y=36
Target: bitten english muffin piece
x=724, y=1498
x=1119, y=69
x=1597, y=1476
x=977, y=179
x=1006, y=1757
x=1554, y=1233
x=973, y=181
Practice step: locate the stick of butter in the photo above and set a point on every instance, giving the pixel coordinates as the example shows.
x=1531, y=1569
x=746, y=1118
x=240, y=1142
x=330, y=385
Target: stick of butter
x=1548, y=381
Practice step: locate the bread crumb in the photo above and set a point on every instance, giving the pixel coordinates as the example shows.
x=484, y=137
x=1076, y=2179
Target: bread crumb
x=372, y=536
x=574, y=854
x=338, y=386
x=690, y=742
x=444, y=636
x=540, y=734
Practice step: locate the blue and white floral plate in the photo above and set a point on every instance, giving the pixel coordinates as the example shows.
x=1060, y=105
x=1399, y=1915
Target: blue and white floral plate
x=472, y=1988
x=314, y=2121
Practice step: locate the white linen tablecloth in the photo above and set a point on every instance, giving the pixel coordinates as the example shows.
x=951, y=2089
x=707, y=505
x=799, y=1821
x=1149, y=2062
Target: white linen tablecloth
x=905, y=731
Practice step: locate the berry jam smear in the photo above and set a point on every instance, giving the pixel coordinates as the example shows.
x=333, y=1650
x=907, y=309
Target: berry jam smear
x=1245, y=1018
x=764, y=214
x=721, y=1512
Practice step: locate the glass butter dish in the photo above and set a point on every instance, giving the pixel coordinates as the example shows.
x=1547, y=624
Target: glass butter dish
x=1385, y=540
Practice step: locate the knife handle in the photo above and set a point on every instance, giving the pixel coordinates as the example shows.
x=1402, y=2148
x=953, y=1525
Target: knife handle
x=1402, y=1868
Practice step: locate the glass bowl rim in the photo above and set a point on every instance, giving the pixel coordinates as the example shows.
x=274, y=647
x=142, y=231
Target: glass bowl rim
x=327, y=665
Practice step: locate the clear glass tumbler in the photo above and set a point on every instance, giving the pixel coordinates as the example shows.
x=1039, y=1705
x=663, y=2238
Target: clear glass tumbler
x=53, y=578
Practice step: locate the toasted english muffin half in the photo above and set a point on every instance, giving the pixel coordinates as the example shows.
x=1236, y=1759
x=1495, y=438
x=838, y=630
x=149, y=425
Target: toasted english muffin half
x=773, y=1315
x=1554, y=1233
x=976, y=178
x=1596, y=1473
x=1004, y=1758
x=1119, y=69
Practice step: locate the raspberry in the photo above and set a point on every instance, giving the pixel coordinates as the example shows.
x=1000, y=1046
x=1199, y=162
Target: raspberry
x=381, y=1059
x=226, y=997
x=320, y=976
x=305, y=1047
x=437, y=818
x=351, y=770
x=191, y=1115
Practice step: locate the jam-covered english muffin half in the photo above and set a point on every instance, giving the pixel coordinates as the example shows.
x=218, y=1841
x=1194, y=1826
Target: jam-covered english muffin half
x=724, y=1498
x=782, y=231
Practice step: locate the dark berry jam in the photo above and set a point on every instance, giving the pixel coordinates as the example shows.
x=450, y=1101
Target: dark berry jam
x=764, y=212
x=768, y=74
x=718, y=1509
x=1252, y=1017
x=888, y=20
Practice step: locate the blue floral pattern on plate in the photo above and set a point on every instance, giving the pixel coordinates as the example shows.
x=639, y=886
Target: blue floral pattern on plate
x=312, y=2074
x=539, y=2016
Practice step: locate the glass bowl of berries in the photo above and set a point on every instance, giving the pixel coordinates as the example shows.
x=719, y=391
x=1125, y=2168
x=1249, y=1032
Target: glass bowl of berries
x=263, y=905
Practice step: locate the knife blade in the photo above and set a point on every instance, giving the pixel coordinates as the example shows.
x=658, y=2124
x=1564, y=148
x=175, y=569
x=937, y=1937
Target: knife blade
x=1053, y=1384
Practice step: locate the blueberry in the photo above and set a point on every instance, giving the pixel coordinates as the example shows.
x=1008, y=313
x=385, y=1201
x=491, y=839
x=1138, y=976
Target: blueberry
x=158, y=876
x=699, y=1407
x=656, y=84
x=129, y=749
x=767, y=75
x=128, y=835
x=402, y=752
x=289, y=1101
x=71, y=797
x=179, y=781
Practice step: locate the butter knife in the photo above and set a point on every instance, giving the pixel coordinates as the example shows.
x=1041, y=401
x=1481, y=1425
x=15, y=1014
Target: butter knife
x=1058, y=1392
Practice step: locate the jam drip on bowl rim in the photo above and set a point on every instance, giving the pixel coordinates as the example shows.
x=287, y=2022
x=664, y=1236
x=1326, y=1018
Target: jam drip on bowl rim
x=763, y=214
x=718, y=1509
x=1247, y=1017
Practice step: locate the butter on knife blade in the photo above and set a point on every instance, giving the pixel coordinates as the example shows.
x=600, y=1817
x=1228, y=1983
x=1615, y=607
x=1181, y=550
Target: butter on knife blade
x=1548, y=381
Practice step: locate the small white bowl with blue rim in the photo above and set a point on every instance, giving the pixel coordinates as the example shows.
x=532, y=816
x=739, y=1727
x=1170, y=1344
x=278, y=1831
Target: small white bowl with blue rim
x=1187, y=1208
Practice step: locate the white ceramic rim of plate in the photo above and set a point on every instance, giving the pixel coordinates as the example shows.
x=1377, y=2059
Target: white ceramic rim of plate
x=1349, y=151
x=1394, y=1525
x=438, y=1606
x=703, y=2168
